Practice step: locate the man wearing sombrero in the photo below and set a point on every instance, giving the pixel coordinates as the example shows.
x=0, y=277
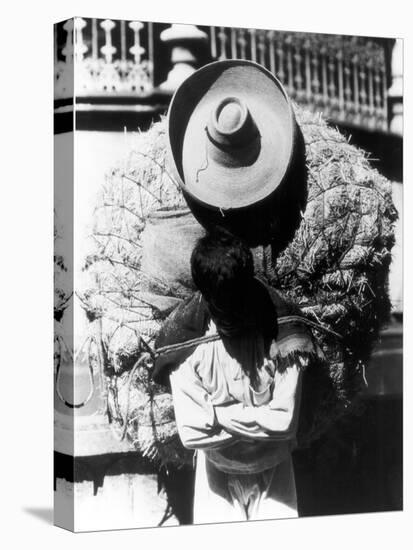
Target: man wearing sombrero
x=237, y=153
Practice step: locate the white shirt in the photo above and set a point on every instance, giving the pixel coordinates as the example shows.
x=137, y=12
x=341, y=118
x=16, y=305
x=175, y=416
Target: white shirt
x=241, y=429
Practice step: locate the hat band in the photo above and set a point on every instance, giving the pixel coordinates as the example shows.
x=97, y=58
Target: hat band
x=233, y=156
x=233, y=147
x=231, y=124
x=233, y=136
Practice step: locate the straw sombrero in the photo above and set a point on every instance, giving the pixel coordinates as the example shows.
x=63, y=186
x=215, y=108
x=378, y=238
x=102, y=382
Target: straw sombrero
x=233, y=142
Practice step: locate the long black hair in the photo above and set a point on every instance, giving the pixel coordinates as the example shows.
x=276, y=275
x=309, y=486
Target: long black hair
x=222, y=268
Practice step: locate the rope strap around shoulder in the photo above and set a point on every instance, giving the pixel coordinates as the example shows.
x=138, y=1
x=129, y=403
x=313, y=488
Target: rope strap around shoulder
x=165, y=350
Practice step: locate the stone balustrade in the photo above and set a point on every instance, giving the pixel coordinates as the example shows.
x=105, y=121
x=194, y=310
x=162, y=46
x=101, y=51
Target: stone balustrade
x=112, y=57
x=344, y=77
x=347, y=78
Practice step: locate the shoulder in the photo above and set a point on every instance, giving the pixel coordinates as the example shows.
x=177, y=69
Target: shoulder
x=187, y=322
x=283, y=306
x=294, y=343
x=189, y=366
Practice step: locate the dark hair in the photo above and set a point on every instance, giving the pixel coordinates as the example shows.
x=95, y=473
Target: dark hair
x=221, y=265
x=223, y=270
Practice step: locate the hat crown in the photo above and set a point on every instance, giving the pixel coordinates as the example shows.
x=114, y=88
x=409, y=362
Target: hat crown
x=231, y=124
x=230, y=115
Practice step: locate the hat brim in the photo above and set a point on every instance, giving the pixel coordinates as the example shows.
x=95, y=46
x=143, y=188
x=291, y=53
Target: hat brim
x=203, y=178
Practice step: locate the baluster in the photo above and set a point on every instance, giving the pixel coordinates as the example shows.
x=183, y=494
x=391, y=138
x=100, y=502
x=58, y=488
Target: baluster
x=324, y=82
x=298, y=77
x=307, y=69
x=382, y=89
x=384, y=93
x=253, y=44
x=364, y=109
x=67, y=51
x=59, y=66
x=109, y=77
x=271, y=47
x=347, y=86
x=356, y=93
x=331, y=81
x=150, y=54
x=395, y=93
x=122, y=63
x=108, y=49
x=95, y=52
x=377, y=95
x=83, y=80
x=370, y=87
x=80, y=46
x=65, y=70
x=280, y=57
x=242, y=41
x=340, y=80
x=290, y=73
x=122, y=41
x=380, y=103
x=213, y=43
x=139, y=75
x=233, y=44
x=222, y=37
x=136, y=50
x=94, y=63
x=261, y=47
x=363, y=91
x=315, y=83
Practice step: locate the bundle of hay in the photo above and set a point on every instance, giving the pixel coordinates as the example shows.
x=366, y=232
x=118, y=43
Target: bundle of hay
x=335, y=269
x=145, y=414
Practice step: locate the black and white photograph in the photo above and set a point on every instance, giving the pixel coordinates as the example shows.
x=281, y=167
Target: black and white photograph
x=228, y=274
x=205, y=288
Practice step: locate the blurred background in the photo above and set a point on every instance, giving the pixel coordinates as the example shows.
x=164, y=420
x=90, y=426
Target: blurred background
x=125, y=73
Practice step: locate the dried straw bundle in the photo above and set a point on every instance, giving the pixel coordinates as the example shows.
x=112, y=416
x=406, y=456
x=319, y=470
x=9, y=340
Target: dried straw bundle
x=335, y=269
x=145, y=414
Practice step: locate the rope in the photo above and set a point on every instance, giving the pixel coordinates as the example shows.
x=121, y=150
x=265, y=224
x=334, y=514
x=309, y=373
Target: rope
x=125, y=420
x=166, y=350
x=317, y=326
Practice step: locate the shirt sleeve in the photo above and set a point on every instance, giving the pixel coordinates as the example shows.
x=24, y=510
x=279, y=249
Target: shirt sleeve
x=276, y=420
x=197, y=425
x=280, y=416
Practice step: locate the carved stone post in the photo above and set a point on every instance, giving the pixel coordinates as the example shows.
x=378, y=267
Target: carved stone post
x=187, y=43
x=396, y=90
